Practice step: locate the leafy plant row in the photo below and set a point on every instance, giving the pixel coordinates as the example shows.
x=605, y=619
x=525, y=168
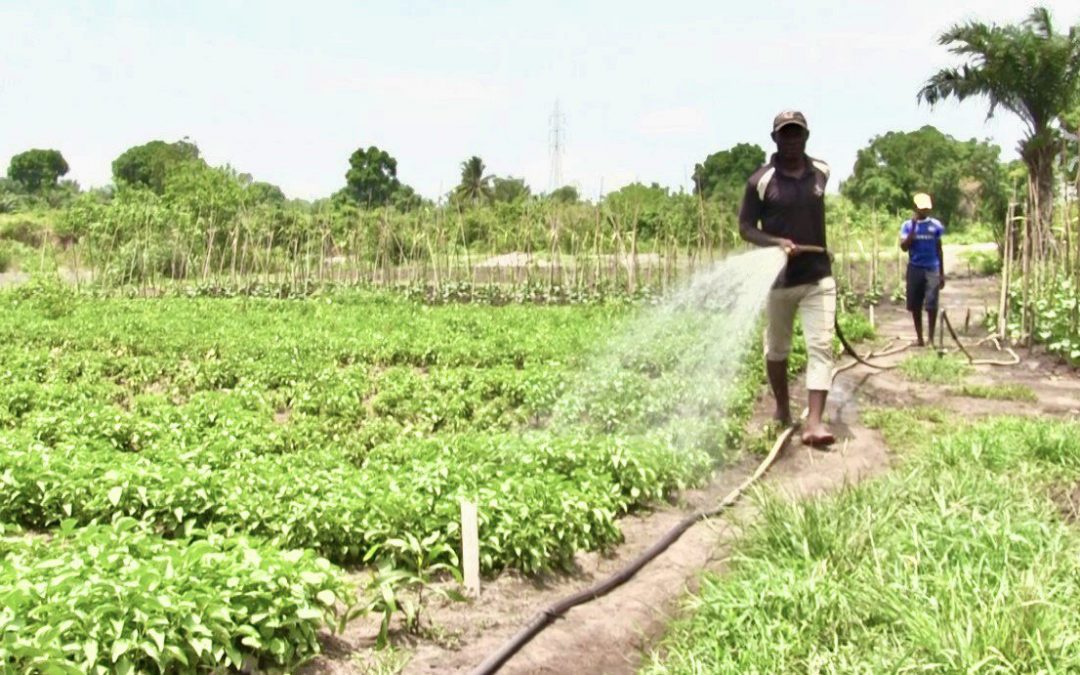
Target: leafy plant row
x=542, y=498
x=119, y=599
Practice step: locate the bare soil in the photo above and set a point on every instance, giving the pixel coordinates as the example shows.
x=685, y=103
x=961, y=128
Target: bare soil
x=1068, y=501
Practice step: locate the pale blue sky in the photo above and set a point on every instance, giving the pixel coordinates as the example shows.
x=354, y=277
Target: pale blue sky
x=287, y=90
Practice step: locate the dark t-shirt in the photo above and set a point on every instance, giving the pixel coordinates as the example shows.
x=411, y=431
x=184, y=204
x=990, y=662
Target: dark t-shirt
x=792, y=208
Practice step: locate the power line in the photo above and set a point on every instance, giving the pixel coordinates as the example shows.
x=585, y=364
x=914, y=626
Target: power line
x=556, y=143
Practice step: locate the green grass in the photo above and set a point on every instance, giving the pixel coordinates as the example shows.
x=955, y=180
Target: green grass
x=905, y=428
x=972, y=233
x=958, y=561
x=933, y=369
x=759, y=442
x=856, y=327
x=997, y=392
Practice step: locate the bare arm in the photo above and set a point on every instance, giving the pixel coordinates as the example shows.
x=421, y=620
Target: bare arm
x=905, y=244
x=941, y=263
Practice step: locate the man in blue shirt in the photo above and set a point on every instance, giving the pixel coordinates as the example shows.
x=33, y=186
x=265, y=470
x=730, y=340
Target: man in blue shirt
x=921, y=238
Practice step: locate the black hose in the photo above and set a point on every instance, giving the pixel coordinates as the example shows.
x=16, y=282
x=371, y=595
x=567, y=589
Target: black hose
x=972, y=361
x=956, y=339
x=548, y=615
x=851, y=350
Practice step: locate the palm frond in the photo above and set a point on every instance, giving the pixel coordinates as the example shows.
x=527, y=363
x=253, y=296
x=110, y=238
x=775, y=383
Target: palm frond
x=1040, y=22
x=1026, y=69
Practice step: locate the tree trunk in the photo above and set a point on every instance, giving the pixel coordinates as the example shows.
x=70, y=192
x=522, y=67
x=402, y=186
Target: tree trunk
x=1039, y=157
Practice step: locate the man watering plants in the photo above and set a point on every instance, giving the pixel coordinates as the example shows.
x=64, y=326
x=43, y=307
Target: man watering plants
x=786, y=197
x=921, y=238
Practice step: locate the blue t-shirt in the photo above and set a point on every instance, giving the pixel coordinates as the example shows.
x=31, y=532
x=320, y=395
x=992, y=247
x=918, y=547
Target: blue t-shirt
x=923, y=251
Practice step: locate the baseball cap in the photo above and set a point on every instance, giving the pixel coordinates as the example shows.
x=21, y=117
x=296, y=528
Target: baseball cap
x=922, y=201
x=789, y=117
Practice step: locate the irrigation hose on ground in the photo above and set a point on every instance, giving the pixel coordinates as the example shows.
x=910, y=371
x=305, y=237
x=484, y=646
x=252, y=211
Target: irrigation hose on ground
x=853, y=354
x=547, y=616
x=979, y=362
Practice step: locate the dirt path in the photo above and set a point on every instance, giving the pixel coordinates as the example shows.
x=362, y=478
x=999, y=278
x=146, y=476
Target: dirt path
x=609, y=634
x=1056, y=386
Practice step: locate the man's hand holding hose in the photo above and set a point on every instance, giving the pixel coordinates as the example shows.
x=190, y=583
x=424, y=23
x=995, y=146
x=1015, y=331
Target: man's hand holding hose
x=792, y=249
x=789, y=247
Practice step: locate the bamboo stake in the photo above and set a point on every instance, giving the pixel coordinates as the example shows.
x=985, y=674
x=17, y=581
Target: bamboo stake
x=1003, y=300
x=874, y=261
x=1025, y=266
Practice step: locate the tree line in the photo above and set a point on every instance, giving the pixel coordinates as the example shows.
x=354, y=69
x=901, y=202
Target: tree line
x=168, y=199
x=967, y=178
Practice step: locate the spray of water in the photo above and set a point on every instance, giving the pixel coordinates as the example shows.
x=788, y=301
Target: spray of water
x=671, y=369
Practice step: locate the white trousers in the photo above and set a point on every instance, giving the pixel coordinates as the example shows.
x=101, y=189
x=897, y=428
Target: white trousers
x=816, y=304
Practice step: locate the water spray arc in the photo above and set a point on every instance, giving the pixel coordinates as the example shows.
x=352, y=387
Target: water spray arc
x=553, y=612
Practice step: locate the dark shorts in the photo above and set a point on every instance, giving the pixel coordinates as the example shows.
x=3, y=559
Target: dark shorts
x=922, y=289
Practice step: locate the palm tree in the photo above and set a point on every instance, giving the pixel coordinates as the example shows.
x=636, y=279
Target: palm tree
x=475, y=187
x=1027, y=69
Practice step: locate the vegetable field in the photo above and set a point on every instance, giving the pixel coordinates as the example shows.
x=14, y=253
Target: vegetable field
x=182, y=478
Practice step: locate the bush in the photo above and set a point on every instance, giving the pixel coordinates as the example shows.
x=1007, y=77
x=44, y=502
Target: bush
x=7, y=256
x=25, y=228
x=983, y=263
